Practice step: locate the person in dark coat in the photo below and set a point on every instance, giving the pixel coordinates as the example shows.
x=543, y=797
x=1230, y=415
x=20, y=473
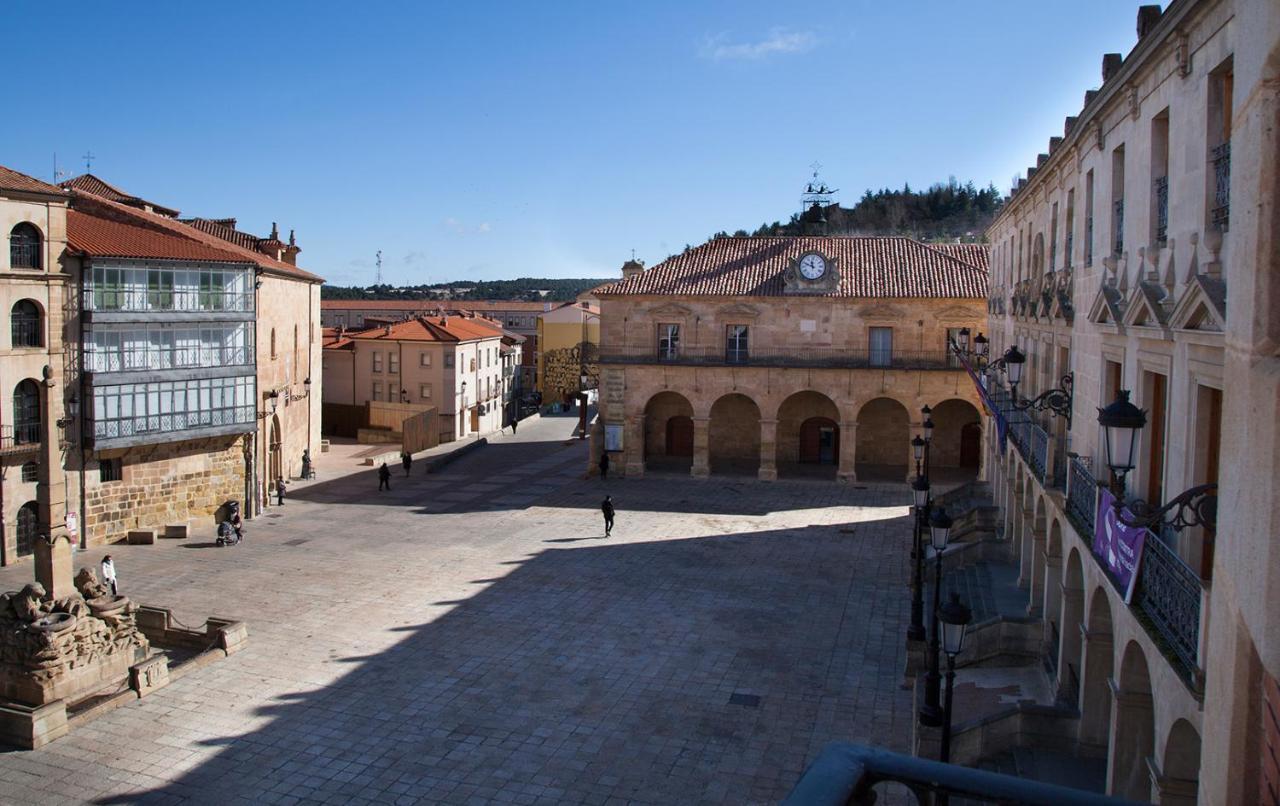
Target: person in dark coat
x=606, y=507
x=604, y=466
x=384, y=477
x=406, y=459
x=279, y=492
x=514, y=423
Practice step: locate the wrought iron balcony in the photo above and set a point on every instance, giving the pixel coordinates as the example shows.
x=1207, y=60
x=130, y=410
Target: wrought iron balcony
x=1082, y=496
x=1220, y=156
x=853, y=357
x=1088, y=240
x=1161, y=191
x=1169, y=594
x=1117, y=227
x=19, y=439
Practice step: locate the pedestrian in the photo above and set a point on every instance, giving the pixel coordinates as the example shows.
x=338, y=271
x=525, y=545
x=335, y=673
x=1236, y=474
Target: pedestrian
x=279, y=492
x=406, y=459
x=306, y=463
x=604, y=466
x=384, y=477
x=513, y=427
x=109, y=573
x=606, y=507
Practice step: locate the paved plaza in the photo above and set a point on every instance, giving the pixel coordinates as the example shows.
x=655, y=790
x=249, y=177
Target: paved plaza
x=471, y=637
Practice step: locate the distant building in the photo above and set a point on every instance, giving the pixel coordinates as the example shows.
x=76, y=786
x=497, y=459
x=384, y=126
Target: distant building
x=775, y=355
x=568, y=349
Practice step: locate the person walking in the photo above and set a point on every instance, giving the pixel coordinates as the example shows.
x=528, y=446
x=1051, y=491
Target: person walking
x=384, y=478
x=606, y=507
x=279, y=492
x=604, y=466
x=306, y=464
x=406, y=459
x=514, y=423
x=109, y=574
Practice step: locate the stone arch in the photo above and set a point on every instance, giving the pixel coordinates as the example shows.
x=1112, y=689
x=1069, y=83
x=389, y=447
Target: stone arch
x=1038, y=570
x=884, y=435
x=1098, y=665
x=26, y=246
x=26, y=324
x=668, y=432
x=1133, y=731
x=1072, y=643
x=27, y=528
x=1181, y=764
x=28, y=414
x=807, y=420
x=733, y=435
x=1053, y=590
x=957, y=436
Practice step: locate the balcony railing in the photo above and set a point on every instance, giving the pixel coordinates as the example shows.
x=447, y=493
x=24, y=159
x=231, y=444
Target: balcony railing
x=1032, y=442
x=1067, y=247
x=1088, y=241
x=141, y=300
x=150, y=424
x=1169, y=594
x=20, y=438
x=25, y=332
x=1082, y=496
x=151, y=357
x=856, y=357
x=1161, y=190
x=1220, y=156
x=1117, y=228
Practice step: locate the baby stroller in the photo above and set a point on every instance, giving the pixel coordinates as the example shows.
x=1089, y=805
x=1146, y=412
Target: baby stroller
x=231, y=531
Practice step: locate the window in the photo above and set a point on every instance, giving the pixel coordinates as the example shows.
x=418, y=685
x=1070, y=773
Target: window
x=881, y=339
x=110, y=470
x=424, y=391
x=473, y=364
x=1088, y=219
x=273, y=342
x=377, y=361
x=668, y=341
x=953, y=337
x=1117, y=201
x=1160, y=178
x=377, y=390
x=424, y=359
x=26, y=413
x=448, y=360
x=25, y=319
x=1221, y=83
x=1053, y=239
x=31, y=472
x=393, y=362
x=24, y=247
x=735, y=350
x=28, y=528
x=1067, y=255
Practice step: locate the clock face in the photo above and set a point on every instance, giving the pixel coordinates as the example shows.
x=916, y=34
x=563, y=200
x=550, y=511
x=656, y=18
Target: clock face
x=812, y=266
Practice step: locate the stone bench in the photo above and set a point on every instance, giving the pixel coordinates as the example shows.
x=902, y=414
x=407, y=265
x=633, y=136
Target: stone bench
x=176, y=531
x=142, y=537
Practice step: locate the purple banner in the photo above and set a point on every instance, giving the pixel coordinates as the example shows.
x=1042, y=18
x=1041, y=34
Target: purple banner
x=1119, y=547
x=1002, y=425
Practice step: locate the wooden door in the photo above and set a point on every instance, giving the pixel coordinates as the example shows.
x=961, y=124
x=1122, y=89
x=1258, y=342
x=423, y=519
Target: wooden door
x=819, y=441
x=680, y=436
x=970, y=444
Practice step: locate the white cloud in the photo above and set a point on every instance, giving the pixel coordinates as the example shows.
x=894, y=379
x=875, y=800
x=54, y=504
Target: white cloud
x=462, y=228
x=780, y=40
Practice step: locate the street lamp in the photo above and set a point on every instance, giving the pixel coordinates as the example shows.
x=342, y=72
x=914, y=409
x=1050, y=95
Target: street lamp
x=981, y=344
x=1013, y=363
x=920, y=496
x=939, y=535
x=917, y=450
x=928, y=439
x=955, y=619
x=1121, y=423
x=964, y=340
x=306, y=385
x=274, y=397
x=73, y=408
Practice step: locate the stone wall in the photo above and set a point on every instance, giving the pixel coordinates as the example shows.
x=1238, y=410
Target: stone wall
x=170, y=483
x=884, y=433
x=735, y=429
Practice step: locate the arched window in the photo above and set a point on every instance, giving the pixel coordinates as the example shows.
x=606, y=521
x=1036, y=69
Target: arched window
x=26, y=413
x=24, y=247
x=28, y=528
x=25, y=319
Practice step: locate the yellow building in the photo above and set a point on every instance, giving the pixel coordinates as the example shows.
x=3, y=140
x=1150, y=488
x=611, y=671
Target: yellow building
x=568, y=349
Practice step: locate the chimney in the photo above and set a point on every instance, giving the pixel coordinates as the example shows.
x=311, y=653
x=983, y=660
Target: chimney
x=632, y=268
x=1054, y=142
x=386, y=329
x=1041, y=159
x=1111, y=65
x=1068, y=125
x=291, y=251
x=1148, y=17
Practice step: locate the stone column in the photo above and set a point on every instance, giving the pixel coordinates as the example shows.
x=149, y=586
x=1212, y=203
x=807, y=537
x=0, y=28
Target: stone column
x=1131, y=729
x=701, y=448
x=848, y=452
x=768, y=450
x=1169, y=791
x=1037, y=572
x=1095, y=711
x=634, y=447
x=1072, y=603
x=54, y=565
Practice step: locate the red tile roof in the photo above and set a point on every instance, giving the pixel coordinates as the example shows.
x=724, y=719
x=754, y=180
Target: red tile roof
x=425, y=305
x=92, y=184
x=432, y=328
x=12, y=180
x=105, y=208
x=219, y=228
x=334, y=338
x=100, y=235
x=977, y=255
x=885, y=267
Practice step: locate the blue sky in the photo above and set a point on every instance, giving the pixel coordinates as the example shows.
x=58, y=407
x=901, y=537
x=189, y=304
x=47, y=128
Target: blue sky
x=492, y=140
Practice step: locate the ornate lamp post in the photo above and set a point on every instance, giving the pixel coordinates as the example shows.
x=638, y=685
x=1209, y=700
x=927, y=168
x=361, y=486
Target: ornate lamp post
x=981, y=346
x=964, y=340
x=917, y=450
x=955, y=619
x=939, y=535
x=920, y=496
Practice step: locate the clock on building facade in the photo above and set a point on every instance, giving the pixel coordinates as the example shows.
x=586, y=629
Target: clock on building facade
x=811, y=273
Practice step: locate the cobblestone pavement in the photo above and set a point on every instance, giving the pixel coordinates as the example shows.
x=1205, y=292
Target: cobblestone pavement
x=471, y=637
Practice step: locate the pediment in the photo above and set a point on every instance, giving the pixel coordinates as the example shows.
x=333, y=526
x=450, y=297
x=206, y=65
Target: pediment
x=1108, y=307
x=884, y=312
x=739, y=310
x=670, y=309
x=1147, y=306
x=1203, y=306
x=955, y=312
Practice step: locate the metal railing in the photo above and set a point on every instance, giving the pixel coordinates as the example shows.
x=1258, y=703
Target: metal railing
x=1082, y=496
x=854, y=357
x=1169, y=594
x=24, y=253
x=151, y=357
x=1220, y=156
x=25, y=331
x=845, y=773
x=1117, y=228
x=142, y=300
x=148, y=424
x=1161, y=191
x=20, y=438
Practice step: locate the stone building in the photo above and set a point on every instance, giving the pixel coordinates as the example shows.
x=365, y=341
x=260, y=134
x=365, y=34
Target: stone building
x=790, y=355
x=458, y=365
x=568, y=340
x=33, y=289
x=1141, y=253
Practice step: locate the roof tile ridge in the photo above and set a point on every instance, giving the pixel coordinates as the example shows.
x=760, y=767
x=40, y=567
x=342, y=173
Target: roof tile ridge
x=951, y=259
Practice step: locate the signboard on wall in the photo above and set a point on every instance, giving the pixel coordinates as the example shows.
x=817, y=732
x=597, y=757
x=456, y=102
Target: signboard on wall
x=615, y=395
x=1119, y=547
x=613, y=437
